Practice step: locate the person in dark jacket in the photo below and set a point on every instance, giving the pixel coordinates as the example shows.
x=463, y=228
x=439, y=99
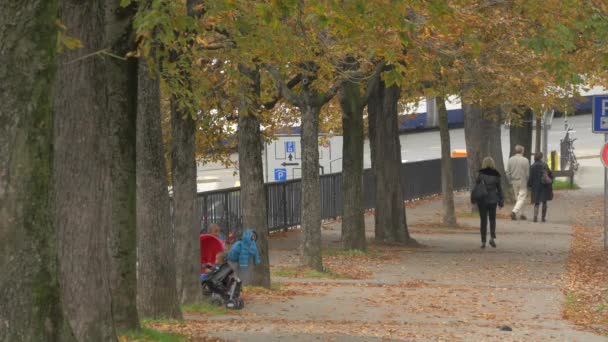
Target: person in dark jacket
x=487, y=208
x=541, y=189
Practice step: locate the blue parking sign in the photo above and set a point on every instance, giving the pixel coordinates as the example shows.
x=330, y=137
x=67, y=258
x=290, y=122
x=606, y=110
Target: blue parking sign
x=290, y=146
x=280, y=174
x=600, y=114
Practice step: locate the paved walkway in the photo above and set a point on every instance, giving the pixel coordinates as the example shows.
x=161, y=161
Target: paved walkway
x=449, y=290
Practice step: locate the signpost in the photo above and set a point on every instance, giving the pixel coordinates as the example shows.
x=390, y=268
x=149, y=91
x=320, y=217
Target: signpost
x=600, y=125
x=290, y=146
x=280, y=175
x=605, y=161
x=283, y=157
x=604, y=155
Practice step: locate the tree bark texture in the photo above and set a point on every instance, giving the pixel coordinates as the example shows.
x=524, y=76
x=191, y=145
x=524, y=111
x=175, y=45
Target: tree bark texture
x=520, y=133
x=483, y=139
x=183, y=172
x=447, y=178
x=390, y=215
x=156, y=283
x=82, y=173
x=187, y=228
x=251, y=173
x=30, y=306
x=538, y=134
x=122, y=112
x=374, y=107
x=353, y=223
x=311, y=186
x=309, y=102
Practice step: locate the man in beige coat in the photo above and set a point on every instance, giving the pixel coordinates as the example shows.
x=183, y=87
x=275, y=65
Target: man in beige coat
x=518, y=171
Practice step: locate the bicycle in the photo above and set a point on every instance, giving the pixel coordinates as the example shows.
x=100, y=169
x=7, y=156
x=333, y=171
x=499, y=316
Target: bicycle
x=568, y=158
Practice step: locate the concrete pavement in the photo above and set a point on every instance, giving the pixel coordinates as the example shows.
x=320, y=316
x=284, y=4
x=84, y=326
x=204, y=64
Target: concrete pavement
x=448, y=290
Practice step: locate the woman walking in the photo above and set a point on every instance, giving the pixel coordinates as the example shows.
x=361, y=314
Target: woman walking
x=541, y=184
x=489, y=178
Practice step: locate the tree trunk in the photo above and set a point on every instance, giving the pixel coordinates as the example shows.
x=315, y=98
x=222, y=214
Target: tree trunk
x=309, y=102
x=390, y=215
x=311, y=186
x=251, y=173
x=82, y=175
x=447, y=177
x=473, y=136
x=122, y=112
x=187, y=228
x=374, y=108
x=353, y=223
x=30, y=307
x=520, y=132
x=183, y=172
x=483, y=139
x=156, y=283
x=538, y=134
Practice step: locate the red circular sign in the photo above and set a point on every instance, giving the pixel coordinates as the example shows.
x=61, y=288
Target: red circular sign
x=604, y=155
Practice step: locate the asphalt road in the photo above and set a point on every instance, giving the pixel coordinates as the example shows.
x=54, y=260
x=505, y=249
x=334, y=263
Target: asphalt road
x=426, y=145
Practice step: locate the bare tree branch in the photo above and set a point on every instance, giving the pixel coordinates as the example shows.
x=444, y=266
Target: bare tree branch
x=331, y=92
x=373, y=82
x=292, y=83
x=283, y=89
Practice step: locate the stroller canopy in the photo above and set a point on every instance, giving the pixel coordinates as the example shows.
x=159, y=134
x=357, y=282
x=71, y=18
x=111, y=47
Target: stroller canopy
x=210, y=247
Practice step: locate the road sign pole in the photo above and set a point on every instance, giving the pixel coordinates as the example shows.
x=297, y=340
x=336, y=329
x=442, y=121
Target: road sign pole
x=605, y=202
x=545, y=142
x=600, y=125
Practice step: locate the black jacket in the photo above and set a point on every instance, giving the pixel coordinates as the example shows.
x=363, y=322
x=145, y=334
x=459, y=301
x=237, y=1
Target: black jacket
x=540, y=192
x=491, y=178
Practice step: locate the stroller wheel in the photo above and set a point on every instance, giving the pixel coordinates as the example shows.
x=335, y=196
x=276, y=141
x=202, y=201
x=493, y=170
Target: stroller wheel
x=231, y=304
x=241, y=304
x=216, y=302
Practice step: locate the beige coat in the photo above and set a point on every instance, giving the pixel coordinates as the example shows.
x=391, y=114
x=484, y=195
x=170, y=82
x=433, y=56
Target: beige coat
x=518, y=170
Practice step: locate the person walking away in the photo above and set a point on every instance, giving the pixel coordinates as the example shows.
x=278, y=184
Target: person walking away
x=243, y=254
x=541, y=185
x=518, y=172
x=490, y=178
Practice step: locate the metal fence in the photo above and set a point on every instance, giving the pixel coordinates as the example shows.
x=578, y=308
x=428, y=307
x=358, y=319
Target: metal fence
x=283, y=199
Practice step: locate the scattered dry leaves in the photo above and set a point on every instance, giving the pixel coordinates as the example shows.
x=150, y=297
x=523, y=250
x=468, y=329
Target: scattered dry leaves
x=433, y=228
x=390, y=330
x=266, y=295
x=586, y=282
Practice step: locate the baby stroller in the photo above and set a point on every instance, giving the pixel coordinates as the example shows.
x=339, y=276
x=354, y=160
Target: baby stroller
x=219, y=282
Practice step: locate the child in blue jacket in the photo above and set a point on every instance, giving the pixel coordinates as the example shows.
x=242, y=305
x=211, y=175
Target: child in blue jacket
x=242, y=253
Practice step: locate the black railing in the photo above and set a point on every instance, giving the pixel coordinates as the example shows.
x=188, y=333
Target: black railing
x=283, y=199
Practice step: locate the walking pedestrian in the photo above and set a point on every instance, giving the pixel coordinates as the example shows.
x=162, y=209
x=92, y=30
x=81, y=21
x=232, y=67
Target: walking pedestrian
x=489, y=178
x=541, y=185
x=518, y=172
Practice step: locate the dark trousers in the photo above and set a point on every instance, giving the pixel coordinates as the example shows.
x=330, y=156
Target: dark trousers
x=486, y=210
x=544, y=212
